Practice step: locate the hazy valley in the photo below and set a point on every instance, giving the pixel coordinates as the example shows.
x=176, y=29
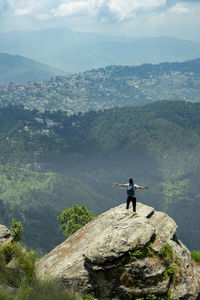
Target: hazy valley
x=66, y=139
x=72, y=51
x=49, y=161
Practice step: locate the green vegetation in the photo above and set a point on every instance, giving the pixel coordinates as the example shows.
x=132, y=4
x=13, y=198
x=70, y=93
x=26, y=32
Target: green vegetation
x=40, y=290
x=49, y=161
x=155, y=297
x=166, y=253
x=140, y=253
x=108, y=87
x=88, y=297
x=16, y=264
x=171, y=272
x=171, y=262
x=18, y=280
x=166, y=256
x=25, y=188
x=36, y=199
x=16, y=230
x=196, y=256
x=74, y=218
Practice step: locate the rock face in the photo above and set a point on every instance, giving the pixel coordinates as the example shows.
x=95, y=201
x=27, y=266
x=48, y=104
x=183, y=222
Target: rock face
x=4, y=234
x=121, y=255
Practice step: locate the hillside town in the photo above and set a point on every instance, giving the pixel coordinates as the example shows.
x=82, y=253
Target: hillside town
x=106, y=88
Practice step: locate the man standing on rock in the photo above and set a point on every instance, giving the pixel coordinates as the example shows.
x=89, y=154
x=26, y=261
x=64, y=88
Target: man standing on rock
x=131, y=188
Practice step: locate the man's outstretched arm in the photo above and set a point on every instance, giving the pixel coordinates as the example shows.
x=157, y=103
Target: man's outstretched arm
x=122, y=185
x=142, y=187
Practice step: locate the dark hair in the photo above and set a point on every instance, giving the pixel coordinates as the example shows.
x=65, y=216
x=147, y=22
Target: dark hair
x=131, y=180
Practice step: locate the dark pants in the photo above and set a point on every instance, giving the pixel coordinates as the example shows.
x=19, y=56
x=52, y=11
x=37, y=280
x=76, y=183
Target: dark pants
x=133, y=200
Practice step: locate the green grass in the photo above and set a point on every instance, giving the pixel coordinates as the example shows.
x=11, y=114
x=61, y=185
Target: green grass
x=41, y=290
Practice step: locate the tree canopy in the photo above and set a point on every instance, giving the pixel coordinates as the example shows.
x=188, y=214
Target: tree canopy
x=74, y=218
x=47, y=159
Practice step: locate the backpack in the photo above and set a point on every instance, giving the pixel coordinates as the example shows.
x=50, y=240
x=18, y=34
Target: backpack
x=130, y=190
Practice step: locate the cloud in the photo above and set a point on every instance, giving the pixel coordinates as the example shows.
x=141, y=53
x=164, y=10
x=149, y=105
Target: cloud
x=120, y=10
x=125, y=9
x=21, y=7
x=84, y=7
x=43, y=17
x=185, y=10
x=71, y=8
x=180, y=20
x=26, y=7
x=117, y=10
x=180, y=9
x=126, y=17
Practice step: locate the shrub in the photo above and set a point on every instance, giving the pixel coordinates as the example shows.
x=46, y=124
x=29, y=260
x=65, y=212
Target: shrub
x=26, y=263
x=23, y=263
x=137, y=254
x=16, y=230
x=171, y=272
x=8, y=250
x=140, y=253
x=166, y=253
x=2, y=261
x=5, y=294
x=74, y=218
x=196, y=256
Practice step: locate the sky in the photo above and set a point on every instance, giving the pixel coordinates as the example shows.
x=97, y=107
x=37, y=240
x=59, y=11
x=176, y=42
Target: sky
x=136, y=18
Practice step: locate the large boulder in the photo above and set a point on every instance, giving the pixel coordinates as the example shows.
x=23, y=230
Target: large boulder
x=122, y=255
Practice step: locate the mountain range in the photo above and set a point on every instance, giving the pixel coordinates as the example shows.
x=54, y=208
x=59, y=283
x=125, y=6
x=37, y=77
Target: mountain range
x=72, y=51
x=65, y=139
x=19, y=69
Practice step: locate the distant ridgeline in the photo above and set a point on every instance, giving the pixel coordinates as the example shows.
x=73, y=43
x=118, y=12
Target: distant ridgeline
x=108, y=87
x=50, y=161
x=20, y=69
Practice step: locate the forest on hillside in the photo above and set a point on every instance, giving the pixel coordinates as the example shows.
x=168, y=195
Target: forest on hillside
x=112, y=86
x=49, y=161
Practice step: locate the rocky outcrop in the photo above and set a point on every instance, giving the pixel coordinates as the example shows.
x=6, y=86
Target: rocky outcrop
x=121, y=255
x=4, y=234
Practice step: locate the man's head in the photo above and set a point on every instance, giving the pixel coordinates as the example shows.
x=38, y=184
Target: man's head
x=131, y=180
